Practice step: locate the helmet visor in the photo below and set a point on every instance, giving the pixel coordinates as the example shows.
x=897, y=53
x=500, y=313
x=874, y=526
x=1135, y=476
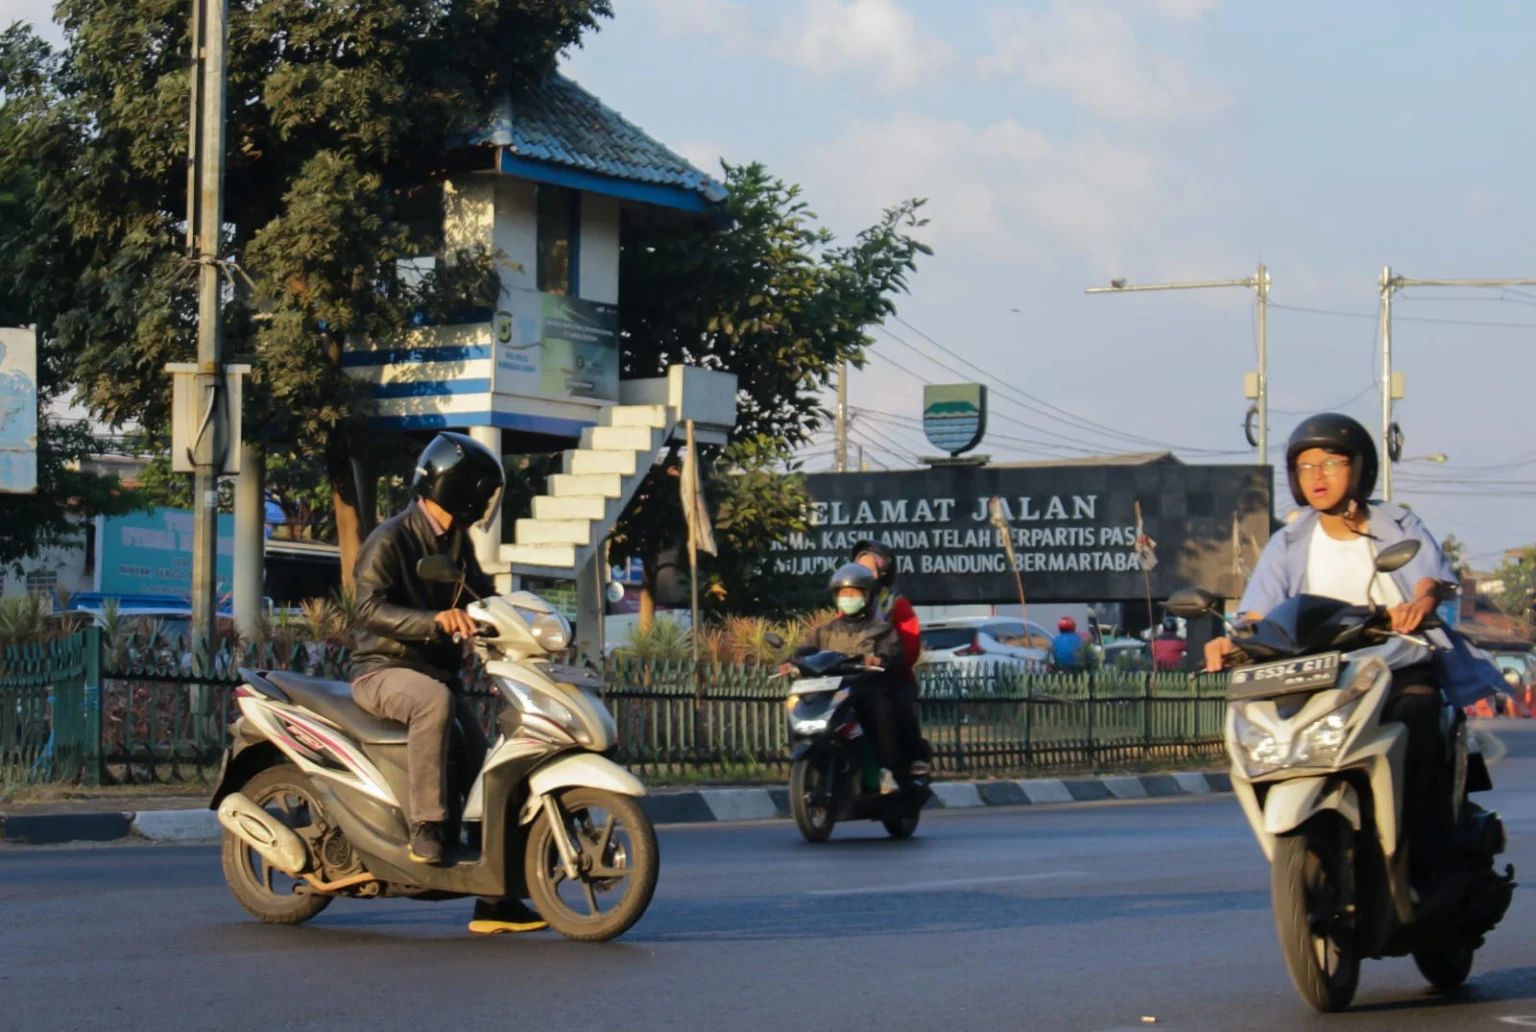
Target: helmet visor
x=492, y=508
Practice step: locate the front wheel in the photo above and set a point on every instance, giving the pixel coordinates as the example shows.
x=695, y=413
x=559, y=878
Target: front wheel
x=1312, y=889
x=903, y=826
x=1445, y=967
x=264, y=891
x=810, y=800
x=617, y=860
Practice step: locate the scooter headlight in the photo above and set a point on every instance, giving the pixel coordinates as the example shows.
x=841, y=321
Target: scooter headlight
x=1320, y=741
x=1261, y=750
x=809, y=714
x=551, y=631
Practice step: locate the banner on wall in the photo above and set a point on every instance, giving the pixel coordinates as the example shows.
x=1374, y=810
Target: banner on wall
x=556, y=346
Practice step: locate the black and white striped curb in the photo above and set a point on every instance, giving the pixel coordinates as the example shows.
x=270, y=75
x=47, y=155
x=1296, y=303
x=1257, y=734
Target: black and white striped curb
x=689, y=806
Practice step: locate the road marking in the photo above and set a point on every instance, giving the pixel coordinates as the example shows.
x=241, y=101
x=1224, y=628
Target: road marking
x=1523, y=1020
x=939, y=886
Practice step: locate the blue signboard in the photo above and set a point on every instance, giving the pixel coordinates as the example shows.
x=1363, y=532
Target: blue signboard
x=150, y=553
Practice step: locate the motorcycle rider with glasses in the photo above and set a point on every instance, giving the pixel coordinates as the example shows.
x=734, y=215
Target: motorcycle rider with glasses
x=409, y=650
x=1329, y=550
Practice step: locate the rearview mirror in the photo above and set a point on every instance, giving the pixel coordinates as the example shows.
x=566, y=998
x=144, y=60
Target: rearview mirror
x=437, y=568
x=1192, y=602
x=1395, y=557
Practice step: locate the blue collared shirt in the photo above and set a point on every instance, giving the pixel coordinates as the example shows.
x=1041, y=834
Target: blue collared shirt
x=1466, y=674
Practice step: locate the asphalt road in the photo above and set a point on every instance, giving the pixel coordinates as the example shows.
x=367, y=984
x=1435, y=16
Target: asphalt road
x=1078, y=918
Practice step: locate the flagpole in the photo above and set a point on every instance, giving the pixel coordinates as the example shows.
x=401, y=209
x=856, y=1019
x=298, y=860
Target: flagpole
x=690, y=500
x=995, y=510
x=1146, y=575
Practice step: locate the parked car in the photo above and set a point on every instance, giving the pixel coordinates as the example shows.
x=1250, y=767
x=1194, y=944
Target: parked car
x=974, y=644
x=1125, y=654
x=1519, y=670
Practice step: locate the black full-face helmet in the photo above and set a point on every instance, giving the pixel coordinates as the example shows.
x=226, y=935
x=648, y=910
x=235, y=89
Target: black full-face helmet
x=461, y=475
x=853, y=575
x=886, y=575
x=1341, y=435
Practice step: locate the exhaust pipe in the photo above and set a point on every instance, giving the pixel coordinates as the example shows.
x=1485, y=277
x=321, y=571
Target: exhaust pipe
x=277, y=843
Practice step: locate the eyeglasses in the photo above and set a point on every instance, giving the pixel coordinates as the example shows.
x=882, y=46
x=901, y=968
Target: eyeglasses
x=1327, y=468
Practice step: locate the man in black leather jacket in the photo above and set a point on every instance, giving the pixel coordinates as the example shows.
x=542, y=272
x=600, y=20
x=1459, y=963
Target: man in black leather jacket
x=409, y=650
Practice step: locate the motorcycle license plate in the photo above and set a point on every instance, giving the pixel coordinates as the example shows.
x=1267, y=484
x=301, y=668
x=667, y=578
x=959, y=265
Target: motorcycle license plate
x=810, y=685
x=1308, y=673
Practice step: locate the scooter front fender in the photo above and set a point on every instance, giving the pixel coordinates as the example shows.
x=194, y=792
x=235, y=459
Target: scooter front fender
x=573, y=770
x=1290, y=804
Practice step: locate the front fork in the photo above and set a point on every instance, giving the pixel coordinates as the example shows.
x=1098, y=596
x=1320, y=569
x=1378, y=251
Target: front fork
x=568, y=855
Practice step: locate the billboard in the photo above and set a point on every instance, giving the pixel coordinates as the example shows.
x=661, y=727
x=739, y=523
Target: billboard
x=150, y=553
x=1074, y=529
x=554, y=345
x=18, y=411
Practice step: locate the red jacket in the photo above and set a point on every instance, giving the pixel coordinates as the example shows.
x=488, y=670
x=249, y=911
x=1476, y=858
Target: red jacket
x=903, y=617
x=1168, y=652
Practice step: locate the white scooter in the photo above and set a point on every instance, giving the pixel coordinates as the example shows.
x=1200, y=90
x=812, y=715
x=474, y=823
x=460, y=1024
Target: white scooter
x=311, y=791
x=1320, y=777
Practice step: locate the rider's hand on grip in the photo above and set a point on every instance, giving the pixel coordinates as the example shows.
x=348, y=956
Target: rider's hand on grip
x=455, y=623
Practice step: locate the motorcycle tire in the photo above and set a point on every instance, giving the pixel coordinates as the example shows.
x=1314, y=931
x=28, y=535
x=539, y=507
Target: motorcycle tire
x=286, y=793
x=815, y=822
x=1445, y=967
x=617, y=853
x=1305, y=877
x=903, y=826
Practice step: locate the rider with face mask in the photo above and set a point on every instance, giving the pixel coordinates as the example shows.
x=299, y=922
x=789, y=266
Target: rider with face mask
x=858, y=631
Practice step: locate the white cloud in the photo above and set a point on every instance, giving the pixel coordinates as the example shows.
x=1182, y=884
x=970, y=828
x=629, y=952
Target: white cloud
x=1093, y=55
x=1003, y=191
x=875, y=36
x=726, y=21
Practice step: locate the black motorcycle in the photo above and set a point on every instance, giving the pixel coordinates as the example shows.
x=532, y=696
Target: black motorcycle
x=835, y=775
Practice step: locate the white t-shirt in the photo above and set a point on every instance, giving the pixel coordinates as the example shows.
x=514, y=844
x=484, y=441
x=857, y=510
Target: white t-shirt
x=1343, y=569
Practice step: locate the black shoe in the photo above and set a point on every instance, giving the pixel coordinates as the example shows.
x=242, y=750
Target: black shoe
x=427, y=843
x=504, y=915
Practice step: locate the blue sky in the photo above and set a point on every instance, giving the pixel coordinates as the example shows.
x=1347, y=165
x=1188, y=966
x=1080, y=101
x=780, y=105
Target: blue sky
x=1060, y=144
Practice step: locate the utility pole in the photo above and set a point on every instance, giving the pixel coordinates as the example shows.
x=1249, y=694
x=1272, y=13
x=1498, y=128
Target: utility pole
x=205, y=224
x=1388, y=285
x=1259, y=283
x=840, y=447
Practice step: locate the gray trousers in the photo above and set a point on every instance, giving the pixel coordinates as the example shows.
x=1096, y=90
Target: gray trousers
x=427, y=707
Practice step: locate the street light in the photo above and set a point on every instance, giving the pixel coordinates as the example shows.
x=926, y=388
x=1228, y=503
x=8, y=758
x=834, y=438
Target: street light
x=1259, y=283
x=1391, y=388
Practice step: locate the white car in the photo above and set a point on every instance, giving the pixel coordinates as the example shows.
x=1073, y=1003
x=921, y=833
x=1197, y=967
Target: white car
x=974, y=644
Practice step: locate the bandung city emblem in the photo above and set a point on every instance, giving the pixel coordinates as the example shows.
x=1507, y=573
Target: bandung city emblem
x=955, y=415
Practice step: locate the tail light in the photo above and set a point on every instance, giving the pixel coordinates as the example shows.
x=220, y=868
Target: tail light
x=974, y=648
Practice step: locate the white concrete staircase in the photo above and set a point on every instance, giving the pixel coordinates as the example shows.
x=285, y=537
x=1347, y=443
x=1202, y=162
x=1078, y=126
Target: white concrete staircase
x=569, y=523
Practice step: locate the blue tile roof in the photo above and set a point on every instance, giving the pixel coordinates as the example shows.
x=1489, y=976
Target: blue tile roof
x=562, y=124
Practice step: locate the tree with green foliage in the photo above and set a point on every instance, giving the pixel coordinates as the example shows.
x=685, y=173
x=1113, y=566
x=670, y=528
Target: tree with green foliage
x=66, y=494
x=344, y=120
x=1518, y=574
x=1455, y=554
x=769, y=295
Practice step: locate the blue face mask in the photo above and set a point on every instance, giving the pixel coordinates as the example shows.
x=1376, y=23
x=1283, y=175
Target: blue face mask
x=850, y=606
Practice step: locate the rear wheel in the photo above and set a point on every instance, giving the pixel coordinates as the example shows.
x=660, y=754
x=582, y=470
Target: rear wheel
x=1312, y=889
x=1445, y=967
x=810, y=800
x=616, y=859
x=265, y=892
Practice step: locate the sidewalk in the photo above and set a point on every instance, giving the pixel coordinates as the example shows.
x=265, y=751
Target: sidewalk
x=186, y=818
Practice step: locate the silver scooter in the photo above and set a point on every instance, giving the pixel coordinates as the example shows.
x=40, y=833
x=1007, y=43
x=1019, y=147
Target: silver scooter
x=310, y=797
x=1320, y=776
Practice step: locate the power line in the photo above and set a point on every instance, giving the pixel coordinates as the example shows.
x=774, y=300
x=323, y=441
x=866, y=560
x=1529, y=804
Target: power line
x=1405, y=318
x=1037, y=404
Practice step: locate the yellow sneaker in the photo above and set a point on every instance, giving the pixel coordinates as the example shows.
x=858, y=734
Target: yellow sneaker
x=504, y=916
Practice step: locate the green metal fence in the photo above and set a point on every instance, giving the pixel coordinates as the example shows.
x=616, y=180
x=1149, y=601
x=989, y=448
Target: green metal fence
x=50, y=710
x=139, y=711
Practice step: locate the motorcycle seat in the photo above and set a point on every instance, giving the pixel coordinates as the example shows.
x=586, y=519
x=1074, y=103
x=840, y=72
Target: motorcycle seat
x=333, y=701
